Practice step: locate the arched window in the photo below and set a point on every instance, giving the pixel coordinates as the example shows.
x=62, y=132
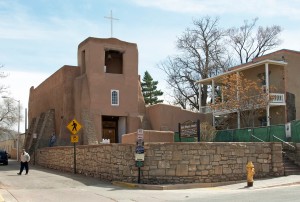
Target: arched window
x=115, y=97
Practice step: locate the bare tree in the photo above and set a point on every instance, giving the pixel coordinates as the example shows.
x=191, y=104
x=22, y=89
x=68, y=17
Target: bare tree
x=242, y=95
x=249, y=43
x=9, y=109
x=206, y=51
x=9, y=113
x=203, y=55
x=3, y=88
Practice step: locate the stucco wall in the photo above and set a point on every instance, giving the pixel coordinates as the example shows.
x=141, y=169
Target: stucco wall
x=94, y=85
x=292, y=82
x=168, y=162
x=292, y=79
x=166, y=117
x=149, y=136
x=276, y=76
x=56, y=93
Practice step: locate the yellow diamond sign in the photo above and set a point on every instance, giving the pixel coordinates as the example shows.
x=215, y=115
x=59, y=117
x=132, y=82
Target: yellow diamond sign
x=74, y=126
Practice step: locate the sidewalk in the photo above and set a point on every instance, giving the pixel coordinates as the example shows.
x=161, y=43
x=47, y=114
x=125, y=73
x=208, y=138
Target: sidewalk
x=258, y=184
x=291, y=180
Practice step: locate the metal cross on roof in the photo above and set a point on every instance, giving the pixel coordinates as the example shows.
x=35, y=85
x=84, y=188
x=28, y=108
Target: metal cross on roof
x=111, y=18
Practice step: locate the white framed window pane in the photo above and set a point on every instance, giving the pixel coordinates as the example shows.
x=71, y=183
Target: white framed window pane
x=114, y=97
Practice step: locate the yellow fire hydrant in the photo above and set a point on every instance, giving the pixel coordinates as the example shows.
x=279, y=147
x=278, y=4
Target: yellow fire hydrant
x=250, y=173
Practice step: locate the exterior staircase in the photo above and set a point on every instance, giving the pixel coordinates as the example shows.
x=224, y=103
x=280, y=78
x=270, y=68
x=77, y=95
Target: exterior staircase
x=34, y=141
x=290, y=168
x=41, y=127
x=29, y=135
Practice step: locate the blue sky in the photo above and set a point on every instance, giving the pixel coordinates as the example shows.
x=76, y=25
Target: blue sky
x=38, y=37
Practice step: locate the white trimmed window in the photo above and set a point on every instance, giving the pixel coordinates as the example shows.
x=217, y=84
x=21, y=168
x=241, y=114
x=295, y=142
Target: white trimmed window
x=114, y=97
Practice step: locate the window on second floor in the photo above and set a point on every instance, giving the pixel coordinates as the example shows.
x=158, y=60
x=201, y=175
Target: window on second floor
x=114, y=97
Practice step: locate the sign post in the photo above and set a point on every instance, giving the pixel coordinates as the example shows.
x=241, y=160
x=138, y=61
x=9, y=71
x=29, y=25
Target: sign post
x=139, y=152
x=74, y=127
x=189, y=129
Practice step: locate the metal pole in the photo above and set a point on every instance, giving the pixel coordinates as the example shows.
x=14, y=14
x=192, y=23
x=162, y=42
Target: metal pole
x=198, y=130
x=74, y=158
x=111, y=24
x=139, y=177
x=18, y=136
x=25, y=120
x=179, y=131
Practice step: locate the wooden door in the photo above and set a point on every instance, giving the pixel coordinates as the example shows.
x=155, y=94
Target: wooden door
x=109, y=133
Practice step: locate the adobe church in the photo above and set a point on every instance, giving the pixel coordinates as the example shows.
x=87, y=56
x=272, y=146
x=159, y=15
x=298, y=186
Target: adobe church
x=103, y=93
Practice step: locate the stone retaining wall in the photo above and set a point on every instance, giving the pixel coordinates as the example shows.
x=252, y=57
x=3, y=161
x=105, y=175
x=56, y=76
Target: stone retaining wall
x=168, y=162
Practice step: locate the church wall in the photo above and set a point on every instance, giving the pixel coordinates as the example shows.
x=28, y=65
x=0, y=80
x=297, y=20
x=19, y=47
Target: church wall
x=94, y=85
x=56, y=93
x=166, y=117
x=84, y=93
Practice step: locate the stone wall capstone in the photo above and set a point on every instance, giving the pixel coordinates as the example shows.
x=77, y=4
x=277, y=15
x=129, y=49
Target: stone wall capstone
x=168, y=162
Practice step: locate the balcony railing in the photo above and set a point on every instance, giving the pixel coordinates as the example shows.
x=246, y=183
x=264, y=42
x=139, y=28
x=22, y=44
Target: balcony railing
x=276, y=99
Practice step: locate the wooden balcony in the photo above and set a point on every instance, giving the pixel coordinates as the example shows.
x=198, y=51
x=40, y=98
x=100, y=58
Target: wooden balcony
x=277, y=99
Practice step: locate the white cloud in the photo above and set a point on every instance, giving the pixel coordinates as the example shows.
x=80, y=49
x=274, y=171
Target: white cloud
x=21, y=26
x=270, y=8
x=290, y=40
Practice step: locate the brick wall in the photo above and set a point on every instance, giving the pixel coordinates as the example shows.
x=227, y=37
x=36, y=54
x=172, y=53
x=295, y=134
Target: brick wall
x=168, y=162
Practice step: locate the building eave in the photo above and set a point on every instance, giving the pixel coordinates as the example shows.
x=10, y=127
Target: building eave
x=242, y=68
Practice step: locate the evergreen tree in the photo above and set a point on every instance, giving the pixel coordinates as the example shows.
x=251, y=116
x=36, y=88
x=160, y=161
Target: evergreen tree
x=149, y=90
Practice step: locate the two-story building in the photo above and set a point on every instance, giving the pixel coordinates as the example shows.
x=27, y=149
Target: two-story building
x=278, y=70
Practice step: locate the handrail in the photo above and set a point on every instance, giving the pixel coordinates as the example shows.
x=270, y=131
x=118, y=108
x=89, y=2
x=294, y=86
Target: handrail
x=284, y=142
x=257, y=138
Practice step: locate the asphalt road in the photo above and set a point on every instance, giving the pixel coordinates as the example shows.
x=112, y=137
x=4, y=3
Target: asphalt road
x=45, y=185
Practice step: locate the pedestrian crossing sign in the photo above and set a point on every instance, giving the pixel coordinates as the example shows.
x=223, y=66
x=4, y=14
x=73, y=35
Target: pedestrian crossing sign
x=74, y=126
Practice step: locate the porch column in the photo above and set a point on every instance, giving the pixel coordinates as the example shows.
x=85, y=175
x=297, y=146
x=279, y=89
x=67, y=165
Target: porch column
x=238, y=98
x=199, y=100
x=239, y=119
x=267, y=91
x=213, y=91
x=213, y=99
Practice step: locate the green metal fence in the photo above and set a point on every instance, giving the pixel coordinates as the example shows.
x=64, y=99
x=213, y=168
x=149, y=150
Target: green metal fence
x=260, y=134
x=295, y=131
x=265, y=134
x=187, y=139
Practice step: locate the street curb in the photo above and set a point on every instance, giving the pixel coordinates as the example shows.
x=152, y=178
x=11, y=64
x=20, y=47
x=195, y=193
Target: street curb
x=124, y=184
x=173, y=186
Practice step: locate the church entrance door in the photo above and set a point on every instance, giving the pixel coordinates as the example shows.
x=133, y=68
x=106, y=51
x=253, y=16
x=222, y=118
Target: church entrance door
x=110, y=128
x=109, y=134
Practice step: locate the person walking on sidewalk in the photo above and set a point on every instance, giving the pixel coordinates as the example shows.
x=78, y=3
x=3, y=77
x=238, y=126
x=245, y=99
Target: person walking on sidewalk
x=25, y=158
